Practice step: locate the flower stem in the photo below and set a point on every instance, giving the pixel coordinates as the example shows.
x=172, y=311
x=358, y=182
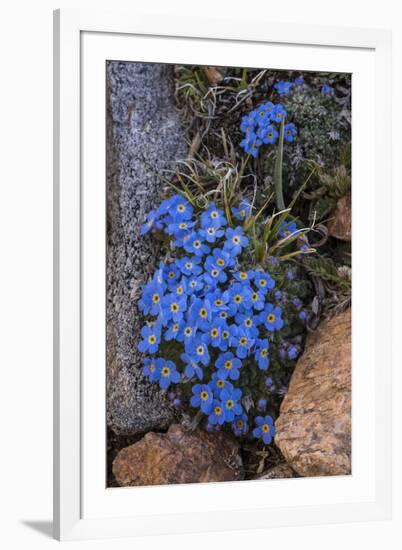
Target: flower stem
x=280, y=203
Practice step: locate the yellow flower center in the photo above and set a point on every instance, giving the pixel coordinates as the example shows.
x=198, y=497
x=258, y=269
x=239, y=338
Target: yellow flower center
x=214, y=214
x=229, y=404
x=237, y=298
x=197, y=244
x=243, y=275
x=264, y=352
x=204, y=395
x=214, y=332
x=188, y=265
x=218, y=411
x=152, y=367
x=183, y=226
x=225, y=334
x=181, y=208
x=228, y=365
x=156, y=298
x=223, y=314
x=152, y=339
x=254, y=296
x=236, y=240
x=265, y=428
x=171, y=274
x=263, y=282
x=243, y=341
x=175, y=327
x=165, y=371
x=203, y=312
x=239, y=423
x=218, y=302
x=214, y=273
x=200, y=350
x=271, y=318
x=210, y=231
x=188, y=331
x=220, y=383
x=220, y=262
x=248, y=322
x=174, y=307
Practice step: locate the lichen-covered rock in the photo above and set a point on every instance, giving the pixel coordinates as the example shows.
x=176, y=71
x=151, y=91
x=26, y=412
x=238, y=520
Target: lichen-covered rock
x=340, y=226
x=314, y=426
x=179, y=456
x=144, y=137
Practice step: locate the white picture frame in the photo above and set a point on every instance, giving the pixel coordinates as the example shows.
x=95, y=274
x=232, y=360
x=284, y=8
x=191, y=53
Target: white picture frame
x=83, y=507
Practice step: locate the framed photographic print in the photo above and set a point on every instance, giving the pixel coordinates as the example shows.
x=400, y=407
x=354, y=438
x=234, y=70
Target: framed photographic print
x=216, y=216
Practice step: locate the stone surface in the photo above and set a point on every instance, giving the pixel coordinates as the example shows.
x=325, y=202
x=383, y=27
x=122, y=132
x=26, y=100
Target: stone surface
x=280, y=471
x=314, y=426
x=340, y=225
x=179, y=456
x=144, y=137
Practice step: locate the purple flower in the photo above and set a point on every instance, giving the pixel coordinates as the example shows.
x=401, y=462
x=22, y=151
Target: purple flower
x=303, y=315
x=262, y=405
x=240, y=425
x=297, y=303
x=293, y=352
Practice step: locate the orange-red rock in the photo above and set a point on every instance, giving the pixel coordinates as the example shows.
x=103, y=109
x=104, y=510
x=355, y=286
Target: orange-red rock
x=314, y=426
x=179, y=456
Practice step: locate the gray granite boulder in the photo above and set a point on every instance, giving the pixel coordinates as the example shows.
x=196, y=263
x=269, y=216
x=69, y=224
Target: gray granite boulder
x=144, y=137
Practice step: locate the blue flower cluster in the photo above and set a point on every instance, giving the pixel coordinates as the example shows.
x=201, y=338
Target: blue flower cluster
x=285, y=87
x=260, y=127
x=260, y=124
x=219, y=316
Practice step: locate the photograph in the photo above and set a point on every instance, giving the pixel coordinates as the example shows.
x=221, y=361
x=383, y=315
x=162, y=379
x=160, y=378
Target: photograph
x=228, y=273
x=206, y=197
